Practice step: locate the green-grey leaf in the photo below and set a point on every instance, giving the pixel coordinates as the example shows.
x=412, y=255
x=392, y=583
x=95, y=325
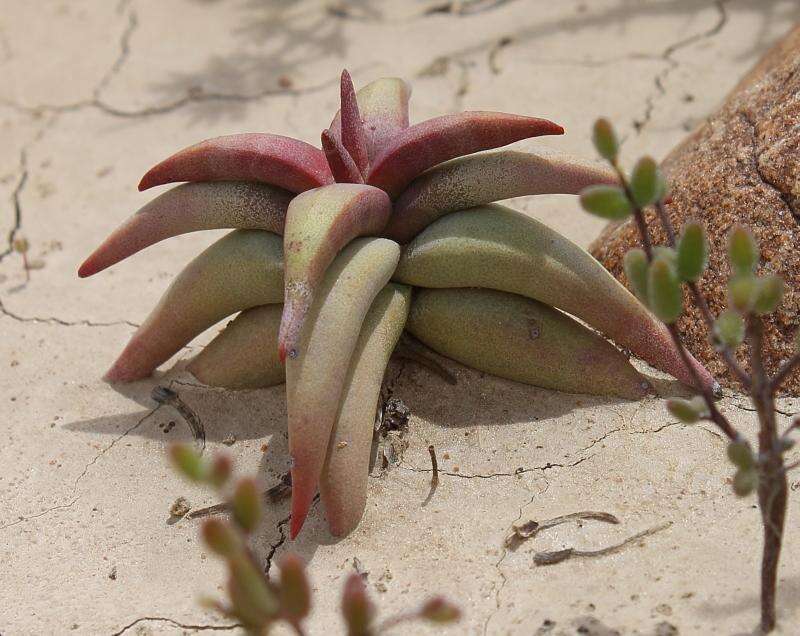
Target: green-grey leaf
x=741, y=455
x=683, y=410
x=635, y=265
x=769, y=294
x=664, y=291
x=692, y=252
x=645, y=182
x=742, y=250
x=605, y=139
x=606, y=201
x=729, y=328
x=742, y=291
x=745, y=482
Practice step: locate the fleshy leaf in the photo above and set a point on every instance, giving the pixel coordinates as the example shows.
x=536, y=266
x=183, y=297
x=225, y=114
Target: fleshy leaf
x=245, y=354
x=532, y=260
x=241, y=270
x=485, y=178
x=520, y=339
x=294, y=591
x=353, y=138
x=343, y=485
x=281, y=161
x=431, y=142
x=357, y=609
x=319, y=223
x=342, y=166
x=188, y=208
x=383, y=105
x=315, y=377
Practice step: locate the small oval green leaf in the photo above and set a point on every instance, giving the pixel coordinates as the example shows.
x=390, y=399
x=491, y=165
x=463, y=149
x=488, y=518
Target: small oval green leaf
x=221, y=538
x=729, y=328
x=742, y=251
x=692, y=252
x=664, y=291
x=769, y=294
x=606, y=201
x=439, y=610
x=743, y=291
x=635, y=265
x=246, y=505
x=645, y=182
x=683, y=410
x=188, y=462
x=605, y=139
x=745, y=482
x=741, y=455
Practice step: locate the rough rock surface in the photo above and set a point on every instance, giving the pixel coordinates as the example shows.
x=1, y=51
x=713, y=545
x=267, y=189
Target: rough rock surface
x=741, y=166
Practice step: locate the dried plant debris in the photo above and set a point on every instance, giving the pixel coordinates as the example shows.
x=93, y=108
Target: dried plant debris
x=164, y=395
x=180, y=507
x=273, y=495
x=434, y=475
x=522, y=532
x=557, y=556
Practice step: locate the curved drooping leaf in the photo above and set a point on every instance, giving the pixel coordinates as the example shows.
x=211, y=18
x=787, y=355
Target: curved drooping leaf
x=343, y=484
x=315, y=377
x=245, y=354
x=532, y=260
x=191, y=207
x=520, y=339
x=281, y=161
x=485, y=178
x=318, y=224
x=241, y=270
x=422, y=146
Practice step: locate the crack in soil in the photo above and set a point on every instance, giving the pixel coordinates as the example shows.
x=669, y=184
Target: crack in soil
x=672, y=64
x=40, y=514
x=174, y=623
x=124, y=47
x=54, y=320
x=518, y=471
x=15, y=200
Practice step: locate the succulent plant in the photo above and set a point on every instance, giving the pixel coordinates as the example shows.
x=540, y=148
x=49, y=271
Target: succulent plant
x=320, y=230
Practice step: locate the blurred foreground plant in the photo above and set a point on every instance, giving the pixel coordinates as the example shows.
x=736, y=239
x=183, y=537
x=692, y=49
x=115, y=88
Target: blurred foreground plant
x=657, y=274
x=255, y=601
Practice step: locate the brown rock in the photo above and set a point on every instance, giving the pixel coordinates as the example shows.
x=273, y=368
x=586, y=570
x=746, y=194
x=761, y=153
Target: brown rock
x=741, y=166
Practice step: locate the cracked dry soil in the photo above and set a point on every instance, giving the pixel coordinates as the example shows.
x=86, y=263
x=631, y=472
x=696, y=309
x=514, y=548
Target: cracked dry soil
x=96, y=92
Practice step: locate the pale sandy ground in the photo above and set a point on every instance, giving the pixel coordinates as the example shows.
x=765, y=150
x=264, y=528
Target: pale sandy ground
x=94, y=92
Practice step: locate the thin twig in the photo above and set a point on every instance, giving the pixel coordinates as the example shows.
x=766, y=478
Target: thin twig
x=434, y=475
x=164, y=395
x=529, y=529
x=708, y=397
x=278, y=492
x=557, y=556
x=784, y=372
